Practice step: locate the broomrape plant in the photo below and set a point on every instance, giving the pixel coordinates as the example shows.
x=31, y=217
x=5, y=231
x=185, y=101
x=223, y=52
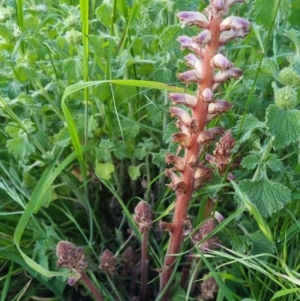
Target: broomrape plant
x=210, y=69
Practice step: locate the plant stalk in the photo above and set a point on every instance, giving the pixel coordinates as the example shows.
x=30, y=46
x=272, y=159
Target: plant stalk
x=182, y=200
x=92, y=288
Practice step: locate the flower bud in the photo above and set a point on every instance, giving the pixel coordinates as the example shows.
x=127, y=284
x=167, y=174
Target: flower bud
x=193, y=18
x=177, y=184
x=183, y=128
x=223, y=76
x=208, y=95
x=181, y=114
x=218, y=5
x=177, y=161
x=202, y=175
x=185, y=99
x=143, y=215
x=288, y=76
x=190, y=76
x=236, y=23
x=183, y=139
x=203, y=38
x=286, y=97
x=70, y=257
x=206, y=136
x=185, y=42
x=227, y=36
x=208, y=288
x=73, y=280
x=194, y=62
x=221, y=62
x=107, y=261
x=220, y=106
x=203, y=231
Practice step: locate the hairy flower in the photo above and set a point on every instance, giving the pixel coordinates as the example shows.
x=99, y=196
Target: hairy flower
x=208, y=95
x=143, y=215
x=70, y=256
x=108, y=261
x=193, y=18
x=177, y=184
x=191, y=76
x=221, y=62
x=203, y=38
x=184, y=99
x=222, y=154
x=194, y=62
x=204, y=230
x=208, y=288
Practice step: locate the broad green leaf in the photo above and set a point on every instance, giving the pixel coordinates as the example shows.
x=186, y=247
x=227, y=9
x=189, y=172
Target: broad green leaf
x=251, y=207
x=104, y=170
x=73, y=68
x=21, y=148
x=104, y=150
x=260, y=244
x=274, y=163
x=167, y=39
x=250, y=124
x=250, y=162
x=134, y=172
x=268, y=197
x=104, y=12
x=283, y=125
x=294, y=35
x=265, y=12
x=163, y=75
x=140, y=153
x=121, y=150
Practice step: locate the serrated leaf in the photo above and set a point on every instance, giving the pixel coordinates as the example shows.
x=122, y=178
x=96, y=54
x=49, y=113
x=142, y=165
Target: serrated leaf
x=269, y=69
x=269, y=197
x=265, y=12
x=104, y=170
x=24, y=73
x=104, y=12
x=159, y=158
x=134, y=172
x=20, y=148
x=163, y=75
x=169, y=130
x=73, y=68
x=13, y=89
x=274, y=163
x=250, y=124
x=140, y=153
x=250, y=162
x=294, y=35
x=260, y=244
x=283, y=125
x=121, y=150
x=168, y=39
x=104, y=150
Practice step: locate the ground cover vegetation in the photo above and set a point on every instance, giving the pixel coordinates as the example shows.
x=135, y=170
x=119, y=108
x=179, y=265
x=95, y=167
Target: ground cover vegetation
x=150, y=150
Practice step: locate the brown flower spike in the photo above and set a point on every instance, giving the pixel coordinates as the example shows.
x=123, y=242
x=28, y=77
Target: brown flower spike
x=209, y=70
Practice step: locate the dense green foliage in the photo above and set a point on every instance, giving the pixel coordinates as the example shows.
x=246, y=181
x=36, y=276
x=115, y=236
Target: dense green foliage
x=85, y=126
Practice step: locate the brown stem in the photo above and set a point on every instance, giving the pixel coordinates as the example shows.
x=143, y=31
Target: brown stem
x=92, y=288
x=144, y=264
x=182, y=200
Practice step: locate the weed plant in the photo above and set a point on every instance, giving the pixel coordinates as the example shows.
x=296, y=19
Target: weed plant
x=85, y=128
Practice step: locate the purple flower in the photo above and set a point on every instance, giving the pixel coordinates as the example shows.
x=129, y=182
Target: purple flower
x=203, y=38
x=194, y=62
x=193, y=18
x=221, y=62
x=185, y=99
x=190, y=76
